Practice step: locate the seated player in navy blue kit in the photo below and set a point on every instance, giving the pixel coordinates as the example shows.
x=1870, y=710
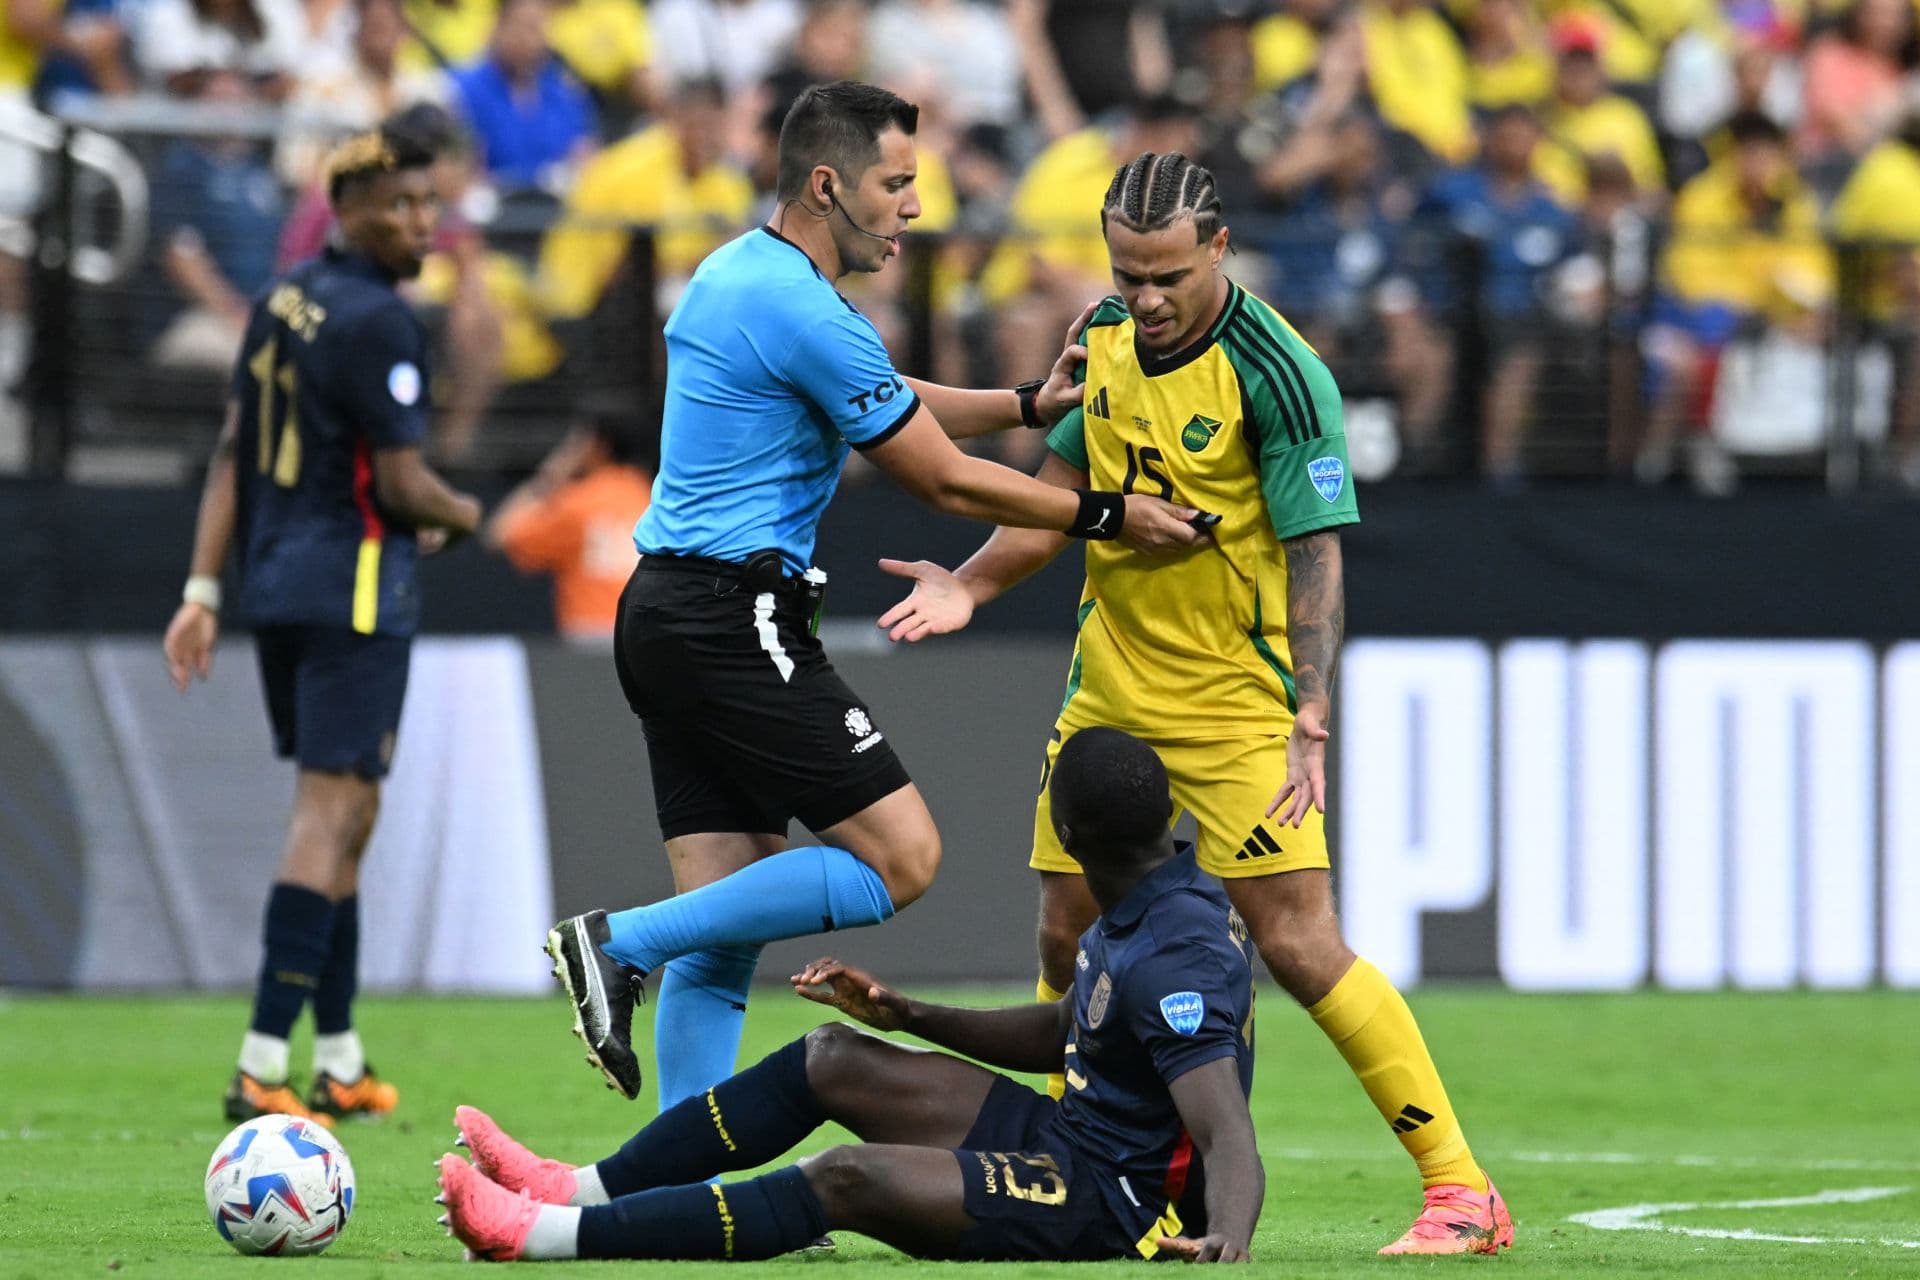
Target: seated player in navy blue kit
x=319, y=486
x=1151, y=1151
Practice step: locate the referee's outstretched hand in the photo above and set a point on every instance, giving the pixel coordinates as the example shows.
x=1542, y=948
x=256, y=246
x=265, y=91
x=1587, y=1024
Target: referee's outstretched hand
x=1157, y=528
x=852, y=992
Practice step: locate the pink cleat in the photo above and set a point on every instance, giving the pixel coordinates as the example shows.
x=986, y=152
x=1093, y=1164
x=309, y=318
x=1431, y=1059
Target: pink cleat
x=508, y=1163
x=490, y=1220
x=1458, y=1220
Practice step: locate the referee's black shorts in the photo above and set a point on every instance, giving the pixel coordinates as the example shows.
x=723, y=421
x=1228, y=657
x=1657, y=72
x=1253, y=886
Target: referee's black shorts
x=747, y=723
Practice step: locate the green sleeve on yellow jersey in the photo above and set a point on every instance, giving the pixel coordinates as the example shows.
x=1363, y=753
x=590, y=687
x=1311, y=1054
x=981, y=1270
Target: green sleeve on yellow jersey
x=1308, y=487
x=1068, y=438
x=1293, y=411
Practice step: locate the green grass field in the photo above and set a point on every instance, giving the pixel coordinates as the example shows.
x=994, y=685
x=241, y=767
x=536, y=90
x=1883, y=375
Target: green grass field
x=109, y=1110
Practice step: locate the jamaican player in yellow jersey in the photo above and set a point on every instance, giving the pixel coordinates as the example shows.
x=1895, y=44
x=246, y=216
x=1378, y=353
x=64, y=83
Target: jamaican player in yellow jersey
x=1222, y=656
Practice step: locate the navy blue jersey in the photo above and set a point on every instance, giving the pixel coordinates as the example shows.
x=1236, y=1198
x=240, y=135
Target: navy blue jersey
x=1163, y=984
x=333, y=368
x=771, y=375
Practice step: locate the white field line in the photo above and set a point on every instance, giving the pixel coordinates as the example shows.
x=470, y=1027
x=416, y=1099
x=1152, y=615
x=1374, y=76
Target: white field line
x=1496, y=1158
x=1646, y=1217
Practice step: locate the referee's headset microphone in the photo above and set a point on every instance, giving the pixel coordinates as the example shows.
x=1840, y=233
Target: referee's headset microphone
x=826, y=189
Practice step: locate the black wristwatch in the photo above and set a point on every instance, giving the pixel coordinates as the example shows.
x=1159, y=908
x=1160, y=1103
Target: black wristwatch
x=1028, y=394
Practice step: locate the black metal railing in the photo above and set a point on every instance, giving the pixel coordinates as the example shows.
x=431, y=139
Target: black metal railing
x=1460, y=354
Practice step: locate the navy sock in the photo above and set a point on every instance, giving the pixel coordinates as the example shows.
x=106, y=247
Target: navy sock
x=340, y=980
x=298, y=932
x=738, y=1124
x=744, y=1221
x=698, y=1013
x=801, y=891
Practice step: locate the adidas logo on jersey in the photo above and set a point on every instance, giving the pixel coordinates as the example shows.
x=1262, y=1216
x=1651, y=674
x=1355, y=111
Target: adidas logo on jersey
x=1097, y=407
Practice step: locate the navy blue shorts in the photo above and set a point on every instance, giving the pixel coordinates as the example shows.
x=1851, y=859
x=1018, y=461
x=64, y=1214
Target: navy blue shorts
x=1031, y=1199
x=333, y=696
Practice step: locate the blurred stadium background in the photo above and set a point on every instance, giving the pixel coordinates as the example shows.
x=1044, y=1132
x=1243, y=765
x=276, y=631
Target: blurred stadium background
x=1622, y=293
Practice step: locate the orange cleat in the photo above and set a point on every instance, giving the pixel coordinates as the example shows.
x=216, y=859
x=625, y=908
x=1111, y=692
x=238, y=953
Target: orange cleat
x=367, y=1096
x=490, y=1220
x=1457, y=1219
x=508, y=1163
x=248, y=1098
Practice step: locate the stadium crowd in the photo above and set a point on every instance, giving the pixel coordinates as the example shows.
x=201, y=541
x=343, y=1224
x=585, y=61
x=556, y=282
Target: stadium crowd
x=1641, y=228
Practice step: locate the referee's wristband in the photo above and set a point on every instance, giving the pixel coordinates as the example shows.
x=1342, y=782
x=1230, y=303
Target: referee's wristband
x=1028, y=394
x=1101, y=515
x=202, y=589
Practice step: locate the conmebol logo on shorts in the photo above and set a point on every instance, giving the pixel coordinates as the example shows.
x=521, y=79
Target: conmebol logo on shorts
x=861, y=727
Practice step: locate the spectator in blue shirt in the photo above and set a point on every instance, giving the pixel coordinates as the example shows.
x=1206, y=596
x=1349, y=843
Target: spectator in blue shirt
x=217, y=209
x=531, y=119
x=1488, y=249
x=1331, y=247
x=90, y=55
x=1338, y=237
x=1515, y=232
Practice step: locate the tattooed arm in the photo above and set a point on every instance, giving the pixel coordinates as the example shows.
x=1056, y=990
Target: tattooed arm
x=1316, y=619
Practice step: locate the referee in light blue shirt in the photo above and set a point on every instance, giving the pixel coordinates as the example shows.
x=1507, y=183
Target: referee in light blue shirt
x=771, y=377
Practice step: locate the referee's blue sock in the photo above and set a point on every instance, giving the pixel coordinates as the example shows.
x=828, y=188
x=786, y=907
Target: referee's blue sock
x=800, y=891
x=697, y=1018
x=740, y=1123
x=742, y=1221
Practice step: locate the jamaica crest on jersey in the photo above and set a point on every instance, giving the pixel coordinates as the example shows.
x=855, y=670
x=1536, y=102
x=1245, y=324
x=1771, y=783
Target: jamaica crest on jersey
x=860, y=725
x=1199, y=433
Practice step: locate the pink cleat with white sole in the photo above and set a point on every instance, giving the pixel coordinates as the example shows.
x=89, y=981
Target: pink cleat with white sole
x=490, y=1220
x=508, y=1163
x=1457, y=1219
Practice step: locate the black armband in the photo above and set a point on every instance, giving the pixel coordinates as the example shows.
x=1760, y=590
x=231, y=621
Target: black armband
x=1101, y=515
x=1028, y=393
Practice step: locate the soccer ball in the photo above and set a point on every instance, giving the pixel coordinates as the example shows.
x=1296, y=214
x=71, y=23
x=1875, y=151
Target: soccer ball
x=279, y=1185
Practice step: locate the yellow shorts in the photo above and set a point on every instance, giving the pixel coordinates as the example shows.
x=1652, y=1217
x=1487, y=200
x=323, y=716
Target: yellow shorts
x=1227, y=786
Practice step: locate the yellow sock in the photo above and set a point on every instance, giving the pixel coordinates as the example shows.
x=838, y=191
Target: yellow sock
x=1370, y=1024
x=1057, y=1082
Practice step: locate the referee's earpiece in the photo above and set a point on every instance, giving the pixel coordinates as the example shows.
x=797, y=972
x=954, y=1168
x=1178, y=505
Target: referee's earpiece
x=826, y=189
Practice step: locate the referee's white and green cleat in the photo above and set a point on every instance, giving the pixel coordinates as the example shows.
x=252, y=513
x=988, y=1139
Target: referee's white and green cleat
x=603, y=992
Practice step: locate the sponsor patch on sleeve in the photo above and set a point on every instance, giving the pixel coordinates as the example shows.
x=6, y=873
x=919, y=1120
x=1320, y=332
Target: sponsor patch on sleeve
x=1184, y=1011
x=403, y=383
x=1329, y=476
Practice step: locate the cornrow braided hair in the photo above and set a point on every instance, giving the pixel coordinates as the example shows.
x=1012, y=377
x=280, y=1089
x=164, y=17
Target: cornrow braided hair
x=1151, y=192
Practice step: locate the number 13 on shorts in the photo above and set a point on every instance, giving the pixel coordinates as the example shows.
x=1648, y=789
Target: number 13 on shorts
x=1041, y=1173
